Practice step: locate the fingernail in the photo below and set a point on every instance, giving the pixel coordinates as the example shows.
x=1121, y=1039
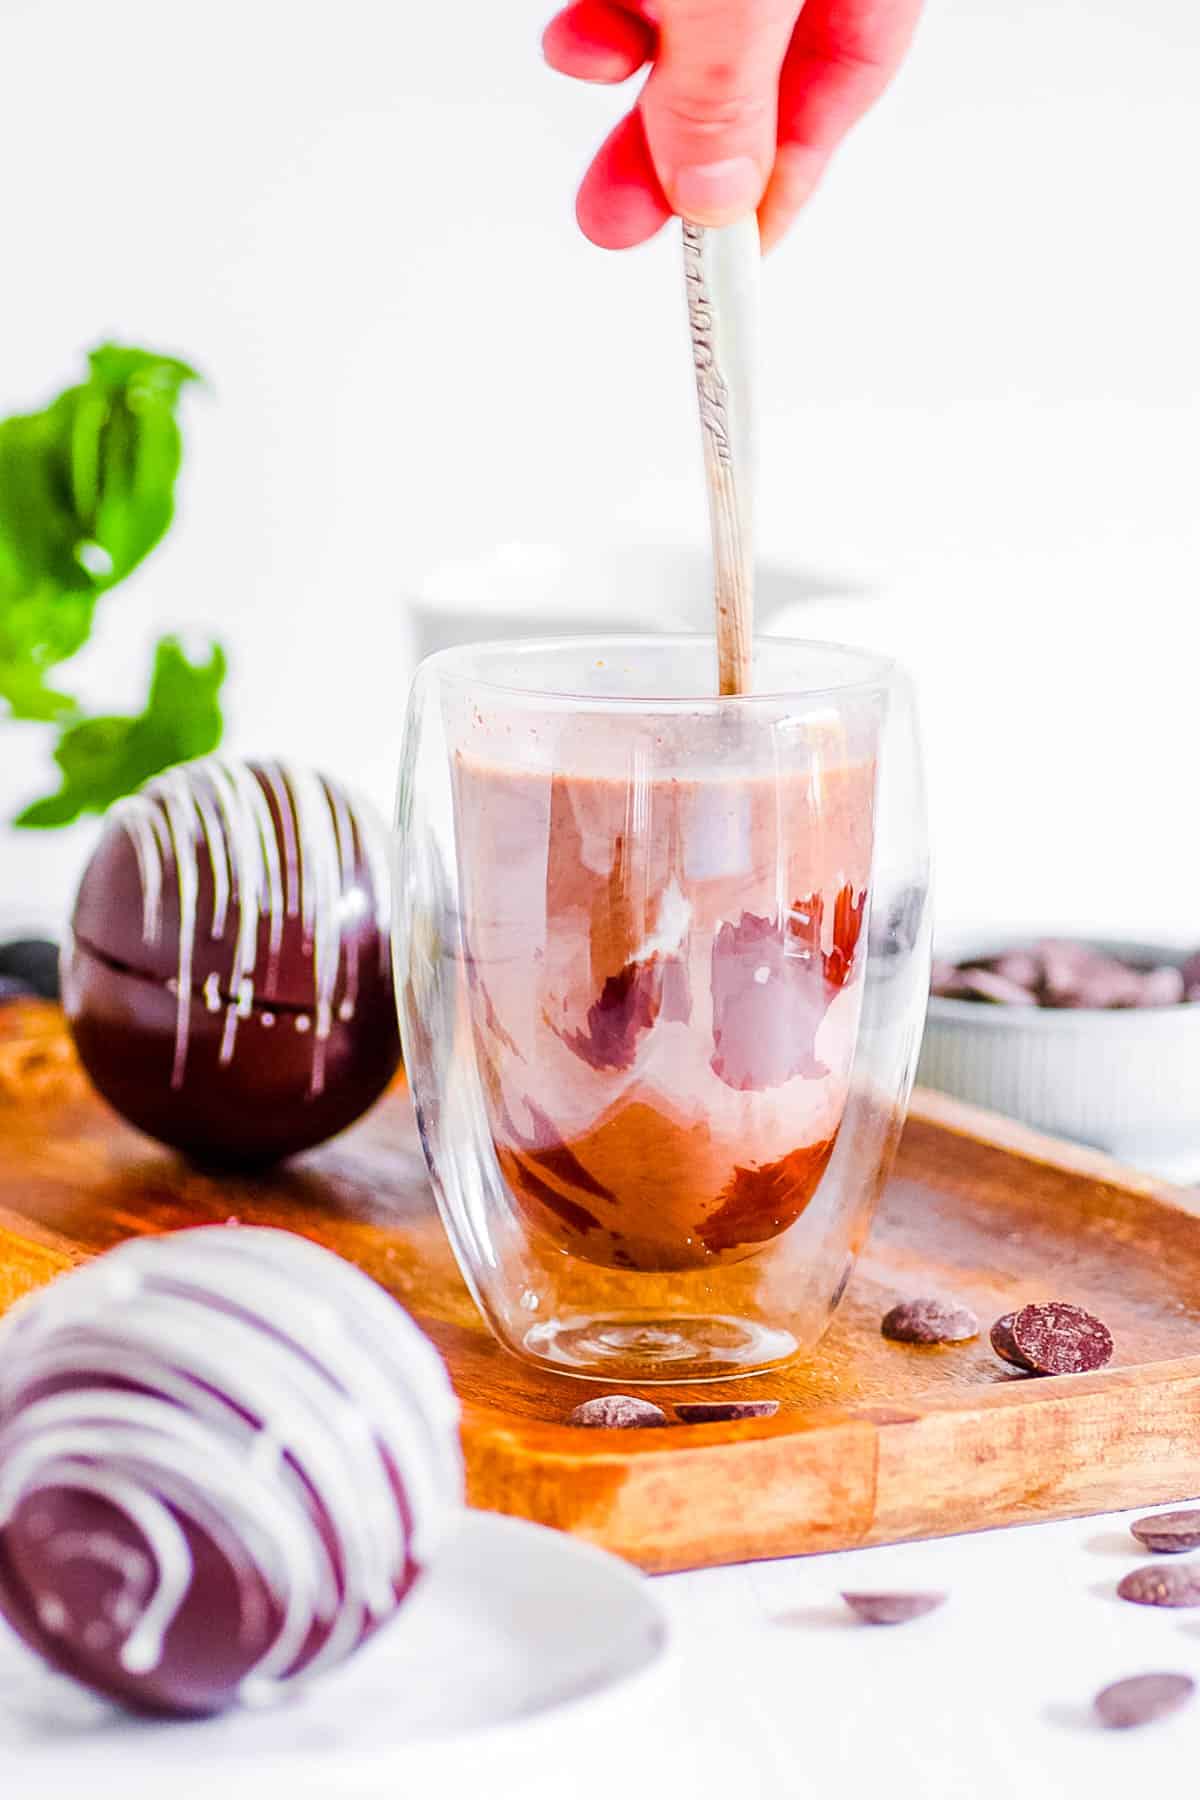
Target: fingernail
x=714, y=193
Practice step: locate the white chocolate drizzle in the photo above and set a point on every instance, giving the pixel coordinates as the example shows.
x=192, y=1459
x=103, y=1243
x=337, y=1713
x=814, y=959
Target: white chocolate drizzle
x=235, y=1373
x=279, y=842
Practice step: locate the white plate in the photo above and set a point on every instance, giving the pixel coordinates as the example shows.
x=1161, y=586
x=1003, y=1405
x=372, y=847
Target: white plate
x=512, y=1622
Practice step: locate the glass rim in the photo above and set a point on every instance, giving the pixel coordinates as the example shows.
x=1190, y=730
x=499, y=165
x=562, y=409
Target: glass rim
x=873, y=671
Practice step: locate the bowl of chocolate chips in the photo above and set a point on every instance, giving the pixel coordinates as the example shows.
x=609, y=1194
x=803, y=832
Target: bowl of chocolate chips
x=1095, y=1041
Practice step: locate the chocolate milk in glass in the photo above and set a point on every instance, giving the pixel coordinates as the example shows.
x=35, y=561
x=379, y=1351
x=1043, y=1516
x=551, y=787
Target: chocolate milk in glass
x=664, y=974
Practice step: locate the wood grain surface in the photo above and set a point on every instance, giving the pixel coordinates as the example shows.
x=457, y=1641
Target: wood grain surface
x=873, y=1442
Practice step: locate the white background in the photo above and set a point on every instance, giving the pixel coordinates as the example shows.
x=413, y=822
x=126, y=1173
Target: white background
x=982, y=371
x=983, y=366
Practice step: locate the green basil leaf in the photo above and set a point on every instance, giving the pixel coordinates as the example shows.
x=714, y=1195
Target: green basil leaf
x=87, y=489
x=102, y=759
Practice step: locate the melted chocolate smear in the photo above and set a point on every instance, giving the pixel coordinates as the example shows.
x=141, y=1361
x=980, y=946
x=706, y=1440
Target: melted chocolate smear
x=629, y=1004
x=772, y=984
x=517, y=1169
x=676, y=991
x=491, y=1018
x=806, y=924
x=757, y=1204
x=549, y=1151
x=557, y=1158
x=768, y=1002
x=848, y=914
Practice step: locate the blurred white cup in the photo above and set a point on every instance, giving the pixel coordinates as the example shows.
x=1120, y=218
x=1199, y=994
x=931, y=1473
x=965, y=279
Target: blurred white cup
x=525, y=589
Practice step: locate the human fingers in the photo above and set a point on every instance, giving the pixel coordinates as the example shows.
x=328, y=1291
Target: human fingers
x=621, y=201
x=842, y=56
x=710, y=103
x=595, y=40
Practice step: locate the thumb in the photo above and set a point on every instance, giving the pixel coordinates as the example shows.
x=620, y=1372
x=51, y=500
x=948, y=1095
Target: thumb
x=710, y=104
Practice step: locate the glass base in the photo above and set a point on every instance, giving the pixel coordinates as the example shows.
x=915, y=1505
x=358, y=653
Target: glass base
x=645, y=1349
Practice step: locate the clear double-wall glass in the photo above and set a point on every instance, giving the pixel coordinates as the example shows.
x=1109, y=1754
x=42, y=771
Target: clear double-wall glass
x=662, y=961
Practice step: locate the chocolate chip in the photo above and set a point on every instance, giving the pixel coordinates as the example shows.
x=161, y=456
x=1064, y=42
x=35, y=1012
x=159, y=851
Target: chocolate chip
x=929, y=1322
x=1066, y=967
x=1169, y=1532
x=1060, y=1339
x=1107, y=985
x=947, y=982
x=984, y=984
x=1021, y=966
x=1175, y=1584
x=706, y=1412
x=617, y=1411
x=1141, y=1699
x=1003, y=1344
x=1059, y=973
x=1162, y=987
x=892, y=1609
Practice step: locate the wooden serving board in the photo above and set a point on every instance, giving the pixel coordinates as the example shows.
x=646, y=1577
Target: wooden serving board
x=874, y=1441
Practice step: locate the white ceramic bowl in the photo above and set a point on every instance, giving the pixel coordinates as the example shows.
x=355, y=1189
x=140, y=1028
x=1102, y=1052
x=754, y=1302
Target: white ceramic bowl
x=1125, y=1081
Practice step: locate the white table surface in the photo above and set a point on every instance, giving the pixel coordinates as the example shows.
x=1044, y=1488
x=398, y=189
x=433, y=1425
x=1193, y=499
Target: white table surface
x=771, y=1691
x=777, y=1693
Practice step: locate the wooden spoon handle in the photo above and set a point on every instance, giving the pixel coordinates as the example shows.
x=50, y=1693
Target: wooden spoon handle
x=721, y=275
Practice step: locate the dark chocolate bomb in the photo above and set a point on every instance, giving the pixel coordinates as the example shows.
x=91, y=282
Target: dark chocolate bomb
x=225, y=1456
x=228, y=977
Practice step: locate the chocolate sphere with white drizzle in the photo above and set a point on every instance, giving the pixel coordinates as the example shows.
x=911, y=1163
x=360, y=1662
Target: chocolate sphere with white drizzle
x=225, y=1457
x=228, y=978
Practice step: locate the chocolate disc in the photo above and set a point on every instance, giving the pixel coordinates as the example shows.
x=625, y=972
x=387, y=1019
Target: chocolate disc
x=1169, y=1532
x=1176, y=1584
x=1004, y=1344
x=1060, y=1339
x=1141, y=1699
x=929, y=1322
x=617, y=1412
x=985, y=984
x=892, y=1609
x=707, y=1412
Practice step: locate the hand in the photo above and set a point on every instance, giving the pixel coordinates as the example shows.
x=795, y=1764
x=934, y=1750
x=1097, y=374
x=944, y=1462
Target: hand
x=744, y=106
